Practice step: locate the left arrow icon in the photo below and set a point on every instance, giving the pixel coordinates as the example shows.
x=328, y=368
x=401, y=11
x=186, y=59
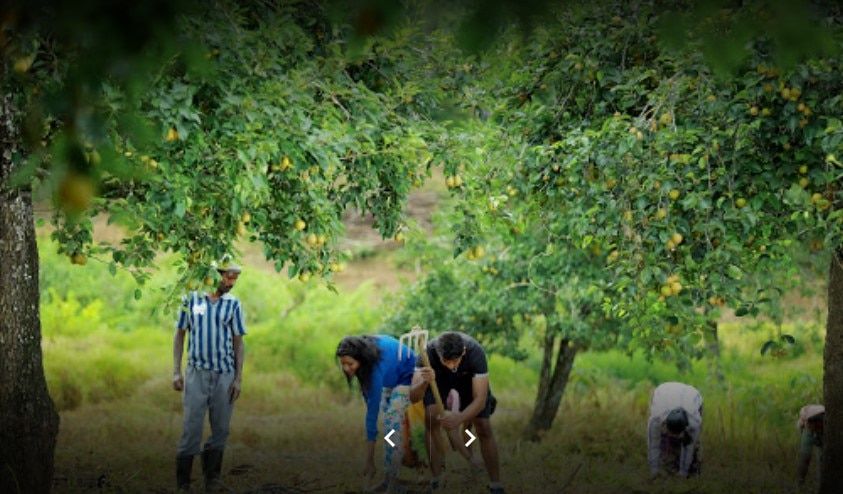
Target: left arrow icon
x=386, y=437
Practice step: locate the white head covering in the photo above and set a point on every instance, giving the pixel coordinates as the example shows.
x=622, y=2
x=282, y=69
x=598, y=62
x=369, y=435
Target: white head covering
x=807, y=412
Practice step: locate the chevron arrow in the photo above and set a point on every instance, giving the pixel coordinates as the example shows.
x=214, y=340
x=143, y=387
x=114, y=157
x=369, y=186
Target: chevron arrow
x=471, y=438
x=386, y=437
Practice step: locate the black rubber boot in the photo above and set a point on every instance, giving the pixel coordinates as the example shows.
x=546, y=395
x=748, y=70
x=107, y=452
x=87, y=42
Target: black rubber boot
x=212, y=468
x=184, y=464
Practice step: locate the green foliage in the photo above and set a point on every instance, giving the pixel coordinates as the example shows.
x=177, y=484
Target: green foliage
x=93, y=355
x=88, y=360
x=669, y=190
x=302, y=334
x=257, y=122
x=792, y=30
x=101, y=343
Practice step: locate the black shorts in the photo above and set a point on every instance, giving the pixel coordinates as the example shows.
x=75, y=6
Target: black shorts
x=466, y=396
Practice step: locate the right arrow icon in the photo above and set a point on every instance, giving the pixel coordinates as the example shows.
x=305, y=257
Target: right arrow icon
x=471, y=438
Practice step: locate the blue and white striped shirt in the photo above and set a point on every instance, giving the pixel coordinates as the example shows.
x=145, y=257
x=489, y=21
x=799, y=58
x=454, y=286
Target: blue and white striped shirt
x=211, y=326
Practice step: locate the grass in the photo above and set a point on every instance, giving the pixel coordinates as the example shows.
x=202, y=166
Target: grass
x=108, y=359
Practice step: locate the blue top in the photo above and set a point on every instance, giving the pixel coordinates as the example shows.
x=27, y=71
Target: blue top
x=388, y=373
x=211, y=325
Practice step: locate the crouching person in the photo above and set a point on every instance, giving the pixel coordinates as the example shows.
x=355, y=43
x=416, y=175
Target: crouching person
x=458, y=362
x=383, y=368
x=810, y=426
x=674, y=429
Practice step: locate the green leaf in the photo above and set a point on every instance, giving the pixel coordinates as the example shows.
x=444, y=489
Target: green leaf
x=796, y=195
x=735, y=272
x=138, y=294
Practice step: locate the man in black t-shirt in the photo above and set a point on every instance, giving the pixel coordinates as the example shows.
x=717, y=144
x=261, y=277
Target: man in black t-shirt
x=458, y=362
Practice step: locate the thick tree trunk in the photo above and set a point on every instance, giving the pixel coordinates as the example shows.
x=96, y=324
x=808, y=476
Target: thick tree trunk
x=552, y=382
x=831, y=481
x=28, y=419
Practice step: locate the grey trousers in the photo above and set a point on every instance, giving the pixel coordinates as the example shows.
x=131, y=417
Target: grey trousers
x=205, y=390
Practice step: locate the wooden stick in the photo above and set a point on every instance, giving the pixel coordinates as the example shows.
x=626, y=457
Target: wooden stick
x=434, y=388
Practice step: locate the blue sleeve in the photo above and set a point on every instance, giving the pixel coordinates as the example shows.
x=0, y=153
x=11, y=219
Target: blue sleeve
x=398, y=361
x=238, y=320
x=373, y=403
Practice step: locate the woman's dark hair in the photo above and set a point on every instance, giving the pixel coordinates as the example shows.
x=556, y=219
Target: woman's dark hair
x=450, y=345
x=363, y=349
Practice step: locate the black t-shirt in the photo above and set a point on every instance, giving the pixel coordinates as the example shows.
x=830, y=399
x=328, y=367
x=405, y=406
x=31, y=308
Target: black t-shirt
x=473, y=363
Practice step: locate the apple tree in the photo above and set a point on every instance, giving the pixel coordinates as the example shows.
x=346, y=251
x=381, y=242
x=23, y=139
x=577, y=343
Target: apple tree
x=693, y=183
x=193, y=128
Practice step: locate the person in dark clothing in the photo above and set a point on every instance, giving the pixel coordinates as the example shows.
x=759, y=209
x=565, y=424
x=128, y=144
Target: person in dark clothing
x=458, y=362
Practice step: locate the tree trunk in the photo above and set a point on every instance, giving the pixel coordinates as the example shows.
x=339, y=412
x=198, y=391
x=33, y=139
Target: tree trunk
x=831, y=480
x=552, y=382
x=712, y=344
x=28, y=419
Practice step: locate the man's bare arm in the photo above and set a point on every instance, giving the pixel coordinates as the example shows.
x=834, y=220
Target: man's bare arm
x=178, y=350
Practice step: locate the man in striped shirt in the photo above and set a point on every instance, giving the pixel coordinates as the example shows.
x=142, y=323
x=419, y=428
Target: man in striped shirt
x=214, y=370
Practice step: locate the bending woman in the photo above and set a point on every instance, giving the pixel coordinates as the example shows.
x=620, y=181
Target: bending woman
x=384, y=379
